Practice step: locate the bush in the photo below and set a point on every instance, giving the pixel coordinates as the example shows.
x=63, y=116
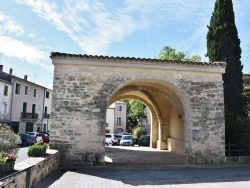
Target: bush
x=37, y=150
x=136, y=134
x=8, y=141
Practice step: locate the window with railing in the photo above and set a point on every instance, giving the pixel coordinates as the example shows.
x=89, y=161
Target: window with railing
x=33, y=110
x=118, y=121
x=24, y=110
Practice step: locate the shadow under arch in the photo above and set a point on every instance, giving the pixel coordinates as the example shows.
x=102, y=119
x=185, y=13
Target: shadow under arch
x=169, y=107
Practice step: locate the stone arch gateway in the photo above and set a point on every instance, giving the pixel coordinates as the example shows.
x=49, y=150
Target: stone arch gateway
x=186, y=101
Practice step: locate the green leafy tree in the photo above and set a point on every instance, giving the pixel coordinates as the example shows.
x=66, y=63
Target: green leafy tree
x=168, y=53
x=135, y=110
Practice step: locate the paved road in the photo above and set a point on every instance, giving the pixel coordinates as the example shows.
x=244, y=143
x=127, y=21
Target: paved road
x=22, y=154
x=148, y=173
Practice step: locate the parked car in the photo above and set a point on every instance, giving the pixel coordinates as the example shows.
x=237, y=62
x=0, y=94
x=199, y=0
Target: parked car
x=118, y=136
x=45, y=132
x=27, y=139
x=33, y=134
x=19, y=140
x=127, y=140
x=144, y=140
x=112, y=138
x=108, y=142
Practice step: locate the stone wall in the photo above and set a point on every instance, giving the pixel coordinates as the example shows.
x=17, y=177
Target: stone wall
x=33, y=170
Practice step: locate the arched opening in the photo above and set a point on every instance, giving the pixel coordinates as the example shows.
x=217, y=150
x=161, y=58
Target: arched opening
x=166, y=107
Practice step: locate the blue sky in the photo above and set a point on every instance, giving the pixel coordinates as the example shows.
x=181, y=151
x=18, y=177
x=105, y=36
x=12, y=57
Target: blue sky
x=31, y=29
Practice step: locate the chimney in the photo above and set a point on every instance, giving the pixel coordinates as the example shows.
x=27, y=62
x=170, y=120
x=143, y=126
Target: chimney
x=10, y=71
x=25, y=77
x=1, y=68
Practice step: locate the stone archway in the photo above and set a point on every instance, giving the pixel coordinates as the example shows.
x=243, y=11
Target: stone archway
x=167, y=130
x=186, y=101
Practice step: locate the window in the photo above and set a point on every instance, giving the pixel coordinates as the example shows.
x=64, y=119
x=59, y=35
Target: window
x=34, y=95
x=26, y=90
x=5, y=93
x=33, y=108
x=118, y=120
x=119, y=108
x=18, y=88
x=45, y=112
x=47, y=94
x=24, y=109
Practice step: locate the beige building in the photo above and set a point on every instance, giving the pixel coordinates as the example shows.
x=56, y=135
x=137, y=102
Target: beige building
x=24, y=105
x=116, y=118
x=27, y=105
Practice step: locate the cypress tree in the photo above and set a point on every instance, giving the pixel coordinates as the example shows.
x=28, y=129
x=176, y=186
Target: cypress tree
x=223, y=44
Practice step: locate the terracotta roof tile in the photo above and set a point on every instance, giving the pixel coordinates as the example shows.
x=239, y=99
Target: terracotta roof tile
x=85, y=56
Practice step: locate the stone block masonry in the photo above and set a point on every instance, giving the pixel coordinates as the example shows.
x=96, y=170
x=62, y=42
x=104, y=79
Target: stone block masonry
x=84, y=86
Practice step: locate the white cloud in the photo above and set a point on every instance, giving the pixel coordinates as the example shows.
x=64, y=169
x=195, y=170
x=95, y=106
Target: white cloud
x=12, y=45
x=90, y=24
x=32, y=35
x=14, y=48
x=95, y=26
x=8, y=25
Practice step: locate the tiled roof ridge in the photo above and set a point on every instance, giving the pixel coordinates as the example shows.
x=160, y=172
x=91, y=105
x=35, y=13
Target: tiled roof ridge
x=54, y=54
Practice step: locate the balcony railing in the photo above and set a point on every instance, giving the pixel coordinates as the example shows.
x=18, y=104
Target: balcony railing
x=29, y=117
x=119, y=123
x=46, y=116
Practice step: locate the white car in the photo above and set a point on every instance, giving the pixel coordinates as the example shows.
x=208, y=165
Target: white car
x=127, y=140
x=19, y=140
x=111, y=138
x=108, y=142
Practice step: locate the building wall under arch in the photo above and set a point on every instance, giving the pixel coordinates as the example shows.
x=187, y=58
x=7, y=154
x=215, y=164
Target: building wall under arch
x=84, y=86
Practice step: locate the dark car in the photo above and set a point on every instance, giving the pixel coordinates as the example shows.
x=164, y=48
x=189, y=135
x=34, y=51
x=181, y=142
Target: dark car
x=144, y=140
x=45, y=133
x=27, y=139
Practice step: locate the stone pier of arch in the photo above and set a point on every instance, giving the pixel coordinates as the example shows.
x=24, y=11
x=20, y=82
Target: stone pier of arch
x=185, y=99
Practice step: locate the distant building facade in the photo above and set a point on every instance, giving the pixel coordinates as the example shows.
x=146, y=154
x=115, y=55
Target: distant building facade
x=116, y=118
x=28, y=104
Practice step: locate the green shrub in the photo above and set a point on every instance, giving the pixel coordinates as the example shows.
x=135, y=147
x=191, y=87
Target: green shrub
x=8, y=140
x=37, y=150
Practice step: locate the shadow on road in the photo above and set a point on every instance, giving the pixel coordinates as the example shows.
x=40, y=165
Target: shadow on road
x=146, y=168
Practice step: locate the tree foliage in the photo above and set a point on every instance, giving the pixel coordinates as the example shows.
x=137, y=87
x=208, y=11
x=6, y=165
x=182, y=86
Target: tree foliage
x=8, y=140
x=168, y=53
x=135, y=110
x=223, y=44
